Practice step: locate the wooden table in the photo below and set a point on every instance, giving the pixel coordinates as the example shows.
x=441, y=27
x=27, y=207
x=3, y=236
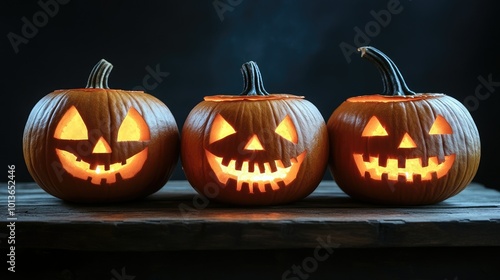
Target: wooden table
x=174, y=234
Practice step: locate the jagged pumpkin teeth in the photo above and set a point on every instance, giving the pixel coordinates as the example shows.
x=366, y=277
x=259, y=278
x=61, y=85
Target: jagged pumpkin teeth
x=402, y=147
x=97, y=144
x=259, y=148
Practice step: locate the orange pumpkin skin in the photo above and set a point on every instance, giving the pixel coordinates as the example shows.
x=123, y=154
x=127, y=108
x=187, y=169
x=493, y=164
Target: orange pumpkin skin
x=276, y=151
x=410, y=149
x=74, y=169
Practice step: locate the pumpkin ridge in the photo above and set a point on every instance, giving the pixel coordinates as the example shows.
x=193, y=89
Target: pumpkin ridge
x=31, y=130
x=48, y=136
x=464, y=133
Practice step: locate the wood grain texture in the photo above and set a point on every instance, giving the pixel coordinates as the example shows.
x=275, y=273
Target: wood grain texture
x=176, y=218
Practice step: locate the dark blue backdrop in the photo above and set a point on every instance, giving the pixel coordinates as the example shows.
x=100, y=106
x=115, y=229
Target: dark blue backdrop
x=302, y=47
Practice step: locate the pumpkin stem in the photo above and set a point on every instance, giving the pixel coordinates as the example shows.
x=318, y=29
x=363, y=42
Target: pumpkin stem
x=393, y=81
x=253, y=84
x=99, y=76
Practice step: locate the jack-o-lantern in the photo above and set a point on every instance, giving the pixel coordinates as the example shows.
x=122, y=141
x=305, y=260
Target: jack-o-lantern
x=97, y=144
x=400, y=147
x=255, y=148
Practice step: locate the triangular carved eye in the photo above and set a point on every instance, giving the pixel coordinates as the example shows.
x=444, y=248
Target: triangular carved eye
x=374, y=128
x=287, y=130
x=71, y=126
x=220, y=129
x=133, y=127
x=440, y=126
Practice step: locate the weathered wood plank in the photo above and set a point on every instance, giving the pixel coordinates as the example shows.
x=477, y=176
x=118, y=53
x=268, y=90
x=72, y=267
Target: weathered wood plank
x=169, y=220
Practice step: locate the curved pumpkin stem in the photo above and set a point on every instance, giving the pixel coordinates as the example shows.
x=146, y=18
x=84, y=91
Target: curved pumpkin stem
x=99, y=76
x=253, y=84
x=394, y=83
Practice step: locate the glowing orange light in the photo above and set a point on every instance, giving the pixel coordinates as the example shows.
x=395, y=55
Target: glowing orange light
x=409, y=168
x=412, y=167
x=133, y=127
x=260, y=176
x=101, y=147
x=374, y=128
x=220, y=129
x=287, y=130
x=71, y=126
x=407, y=142
x=254, y=144
x=440, y=126
x=256, y=175
x=82, y=170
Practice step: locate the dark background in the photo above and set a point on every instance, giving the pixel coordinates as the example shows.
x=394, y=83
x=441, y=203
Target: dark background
x=440, y=46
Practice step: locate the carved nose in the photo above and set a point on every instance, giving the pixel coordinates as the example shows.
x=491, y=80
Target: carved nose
x=101, y=147
x=254, y=144
x=407, y=142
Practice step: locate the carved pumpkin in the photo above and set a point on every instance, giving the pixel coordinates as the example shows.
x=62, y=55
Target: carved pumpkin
x=97, y=144
x=255, y=148
x=400, y=147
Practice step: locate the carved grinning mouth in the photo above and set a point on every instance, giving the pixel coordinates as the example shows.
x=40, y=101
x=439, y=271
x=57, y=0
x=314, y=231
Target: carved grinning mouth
x=409, y=170
x=258, y=175
x=101, y=174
